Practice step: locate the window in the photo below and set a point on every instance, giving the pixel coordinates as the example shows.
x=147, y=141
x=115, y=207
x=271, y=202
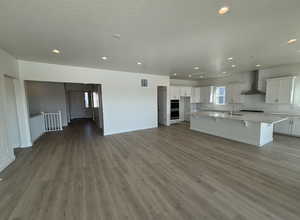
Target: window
x=95, y=100
x=220, y=93
x=86, y=100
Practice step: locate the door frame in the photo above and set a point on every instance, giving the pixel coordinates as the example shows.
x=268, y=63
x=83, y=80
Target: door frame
x=162, y=105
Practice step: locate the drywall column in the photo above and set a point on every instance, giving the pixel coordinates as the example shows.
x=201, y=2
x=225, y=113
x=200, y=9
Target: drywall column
x=6, y=153
x=23, y=115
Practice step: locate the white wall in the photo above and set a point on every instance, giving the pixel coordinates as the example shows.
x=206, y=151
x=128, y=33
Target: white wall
x=46, y=97
x=37, y=127
x=126, y=105
x=8, y=66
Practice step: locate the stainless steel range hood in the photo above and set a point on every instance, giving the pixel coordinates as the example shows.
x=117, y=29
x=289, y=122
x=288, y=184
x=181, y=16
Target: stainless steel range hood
x=254, y=86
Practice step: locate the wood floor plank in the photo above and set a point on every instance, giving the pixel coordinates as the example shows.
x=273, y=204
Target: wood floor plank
x=162, y=173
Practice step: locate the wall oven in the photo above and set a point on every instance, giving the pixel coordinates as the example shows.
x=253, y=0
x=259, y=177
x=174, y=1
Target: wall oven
x=174, y=109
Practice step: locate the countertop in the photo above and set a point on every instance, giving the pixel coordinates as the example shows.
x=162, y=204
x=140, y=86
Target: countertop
x=245, y=116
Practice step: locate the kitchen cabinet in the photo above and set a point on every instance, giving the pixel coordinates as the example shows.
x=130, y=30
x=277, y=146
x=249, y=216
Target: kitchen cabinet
x=296, y=127
x=185, y=91
x=175, y=92
x=234, y=93
x=195, y=96
x=206, y=94
x=283, y=127
x=289, y=127
x=180, y=91
x=280, y=90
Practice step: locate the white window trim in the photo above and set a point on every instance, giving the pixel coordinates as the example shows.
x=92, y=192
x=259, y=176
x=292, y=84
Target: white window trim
x=216, y=96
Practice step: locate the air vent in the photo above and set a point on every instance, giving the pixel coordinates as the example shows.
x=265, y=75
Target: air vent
x=144, y=83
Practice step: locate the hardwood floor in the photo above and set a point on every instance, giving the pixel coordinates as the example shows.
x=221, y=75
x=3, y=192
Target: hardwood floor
x=164, y=173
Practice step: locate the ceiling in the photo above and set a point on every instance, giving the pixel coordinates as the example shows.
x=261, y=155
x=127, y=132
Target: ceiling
x=167, y=36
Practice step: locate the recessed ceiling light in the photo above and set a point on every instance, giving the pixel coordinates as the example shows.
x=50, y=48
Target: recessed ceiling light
x=224, y=72
x=196, y=68
x=258, y=65
x=233, y=65
x=291, y=41
x=190, y=75
x=230, y=59
x=139, y=63
x=104, y=58
x=224, y=10
x=56, y=51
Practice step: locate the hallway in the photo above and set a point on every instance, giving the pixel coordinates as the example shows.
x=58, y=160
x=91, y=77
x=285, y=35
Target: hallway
x=150, y=174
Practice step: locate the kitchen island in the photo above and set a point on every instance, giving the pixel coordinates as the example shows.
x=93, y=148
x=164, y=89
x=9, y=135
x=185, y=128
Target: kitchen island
x=251, y=128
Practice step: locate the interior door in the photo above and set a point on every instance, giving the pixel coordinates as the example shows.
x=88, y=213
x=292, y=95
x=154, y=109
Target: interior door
x=12, y=116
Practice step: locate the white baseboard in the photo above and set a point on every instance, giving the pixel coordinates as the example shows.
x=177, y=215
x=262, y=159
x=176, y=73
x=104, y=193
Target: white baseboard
x=129, y=130
x=5, y=162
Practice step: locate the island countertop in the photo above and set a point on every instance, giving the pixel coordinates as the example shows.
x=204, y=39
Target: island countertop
x=242, y=116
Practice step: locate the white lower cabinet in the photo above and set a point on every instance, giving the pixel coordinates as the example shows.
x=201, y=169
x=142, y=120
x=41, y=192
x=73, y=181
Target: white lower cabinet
x=288, y=127
x=296, y=127
x=283, y=127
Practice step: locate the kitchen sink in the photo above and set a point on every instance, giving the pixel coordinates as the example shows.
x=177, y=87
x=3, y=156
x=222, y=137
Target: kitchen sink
x=236, y=114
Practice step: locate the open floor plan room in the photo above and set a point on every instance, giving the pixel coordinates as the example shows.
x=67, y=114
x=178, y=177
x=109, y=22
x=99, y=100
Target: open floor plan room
x=150, y=109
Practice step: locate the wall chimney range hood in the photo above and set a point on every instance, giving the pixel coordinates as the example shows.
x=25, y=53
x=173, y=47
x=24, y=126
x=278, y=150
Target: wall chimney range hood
x=254, y=86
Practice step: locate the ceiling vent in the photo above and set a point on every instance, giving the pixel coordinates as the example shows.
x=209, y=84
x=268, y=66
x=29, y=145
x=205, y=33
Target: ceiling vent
x=144, y=83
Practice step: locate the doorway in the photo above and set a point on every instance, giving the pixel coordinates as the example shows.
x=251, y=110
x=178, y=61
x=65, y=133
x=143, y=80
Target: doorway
x=162, y=101
x=64, y=103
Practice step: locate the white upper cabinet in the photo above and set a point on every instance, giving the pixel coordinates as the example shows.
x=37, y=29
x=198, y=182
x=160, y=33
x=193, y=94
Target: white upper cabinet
x=206, y=94
x=185, y=91
x=272, y=91
x=195, y=97
x=179, y=91
x=280, y=90
x=286, y=92
x=175, y=92
x=234, y=93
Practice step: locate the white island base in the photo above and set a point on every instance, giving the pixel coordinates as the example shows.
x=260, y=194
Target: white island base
x=250, y=132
